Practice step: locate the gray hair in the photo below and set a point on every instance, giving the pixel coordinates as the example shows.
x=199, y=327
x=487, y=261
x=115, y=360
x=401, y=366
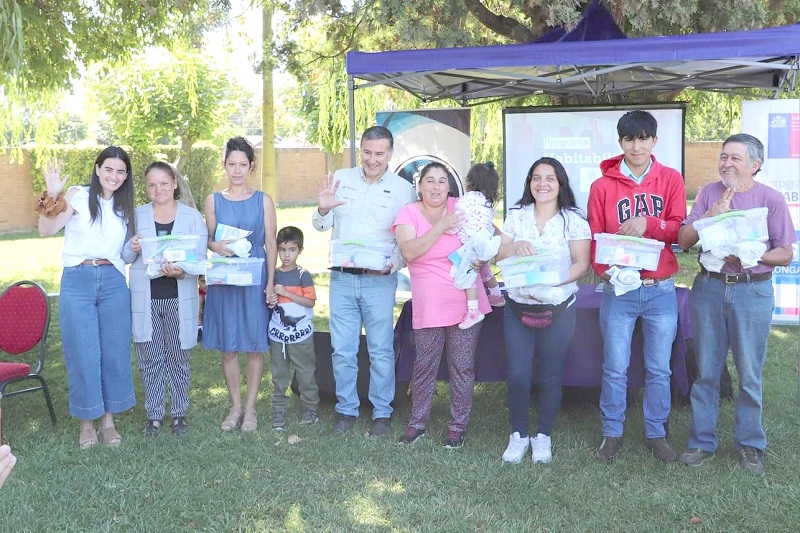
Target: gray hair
x=755, y=150
x=374, y=133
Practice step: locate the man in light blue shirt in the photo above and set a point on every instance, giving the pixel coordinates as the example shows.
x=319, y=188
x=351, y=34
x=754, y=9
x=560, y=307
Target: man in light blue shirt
x=362, y=203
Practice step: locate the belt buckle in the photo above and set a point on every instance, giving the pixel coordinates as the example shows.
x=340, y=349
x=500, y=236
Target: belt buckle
x=94, y=262
x=731, y=278
x=649, y=282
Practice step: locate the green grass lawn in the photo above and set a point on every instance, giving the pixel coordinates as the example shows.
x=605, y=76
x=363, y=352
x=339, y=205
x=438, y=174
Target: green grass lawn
x=211, y=481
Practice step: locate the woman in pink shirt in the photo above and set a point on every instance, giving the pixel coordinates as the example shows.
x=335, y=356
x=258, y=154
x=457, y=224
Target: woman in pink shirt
x=422, y=234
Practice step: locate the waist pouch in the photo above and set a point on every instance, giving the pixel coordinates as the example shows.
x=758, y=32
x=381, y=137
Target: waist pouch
x=538, y=316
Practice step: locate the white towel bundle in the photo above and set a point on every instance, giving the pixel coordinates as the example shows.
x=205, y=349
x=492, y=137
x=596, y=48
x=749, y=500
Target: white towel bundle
x=624, y=279
x=543, y=294
x=748, y=252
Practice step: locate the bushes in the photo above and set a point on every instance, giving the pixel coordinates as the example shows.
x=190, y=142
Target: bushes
x=202, y=169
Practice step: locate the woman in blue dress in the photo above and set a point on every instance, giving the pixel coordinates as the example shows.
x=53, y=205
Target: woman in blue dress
x=235, y=318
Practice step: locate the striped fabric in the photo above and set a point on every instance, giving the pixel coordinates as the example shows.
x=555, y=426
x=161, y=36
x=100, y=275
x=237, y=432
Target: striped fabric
x=163, y=358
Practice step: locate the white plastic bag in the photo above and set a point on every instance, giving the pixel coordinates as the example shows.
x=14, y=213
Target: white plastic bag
x=748, y=252
x=482, y=246
x=196, y=268
x=240, y=245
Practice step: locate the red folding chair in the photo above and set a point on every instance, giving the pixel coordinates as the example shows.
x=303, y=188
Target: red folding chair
x=24, y=322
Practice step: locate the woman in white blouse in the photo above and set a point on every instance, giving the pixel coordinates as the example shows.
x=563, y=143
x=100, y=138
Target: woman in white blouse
x=539, y=322
x=94, y=307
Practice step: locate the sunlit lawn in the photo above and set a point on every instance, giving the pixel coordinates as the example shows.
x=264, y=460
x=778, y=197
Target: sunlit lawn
x=210, y=481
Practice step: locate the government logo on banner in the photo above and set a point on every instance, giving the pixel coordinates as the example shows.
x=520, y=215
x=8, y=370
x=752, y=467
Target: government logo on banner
x=783, y=136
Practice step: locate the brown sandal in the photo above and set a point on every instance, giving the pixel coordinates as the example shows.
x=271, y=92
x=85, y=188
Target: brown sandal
x=86, y=439
x=232, y=420
x=110, y=436
x=250, y=420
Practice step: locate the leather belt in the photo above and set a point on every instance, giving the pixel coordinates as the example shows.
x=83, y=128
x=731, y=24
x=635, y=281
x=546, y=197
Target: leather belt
x=97, y=262
x=359, y=271
x=649, y=282
x=744, y=277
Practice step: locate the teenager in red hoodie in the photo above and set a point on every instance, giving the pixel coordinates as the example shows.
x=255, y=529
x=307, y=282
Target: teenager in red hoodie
x=640, y=197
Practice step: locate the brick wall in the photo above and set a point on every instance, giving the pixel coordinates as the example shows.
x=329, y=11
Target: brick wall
x=700, y=164
x=16, y=200
x=298, y=170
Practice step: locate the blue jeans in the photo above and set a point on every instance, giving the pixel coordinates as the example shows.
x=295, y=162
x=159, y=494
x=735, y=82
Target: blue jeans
x=736, y=315
x=368, y=300
x=94, y=312
x=548, y=347
x=658, y=308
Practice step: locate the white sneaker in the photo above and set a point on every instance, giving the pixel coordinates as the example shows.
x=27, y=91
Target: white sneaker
x=541, y=449
x=517, y=448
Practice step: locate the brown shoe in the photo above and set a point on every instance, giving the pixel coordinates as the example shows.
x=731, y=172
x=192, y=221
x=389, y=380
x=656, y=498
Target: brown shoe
x=608, y=448
x=662, y=449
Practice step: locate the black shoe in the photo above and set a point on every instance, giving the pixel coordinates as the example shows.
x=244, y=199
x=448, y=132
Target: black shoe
x=309, y=418
x=608, y=448
x=151, y=428
x=278, y=421
x=695, y=457
x=380, y=427
x=344, y=423
x=179, y=426
x=751, y=460
x=661, y=449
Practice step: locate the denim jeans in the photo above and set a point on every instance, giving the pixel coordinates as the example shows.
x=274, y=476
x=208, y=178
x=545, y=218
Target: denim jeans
x=94, y=312
x=658, y=308
x=735, y=315
x=546, y=348
x=367, y=300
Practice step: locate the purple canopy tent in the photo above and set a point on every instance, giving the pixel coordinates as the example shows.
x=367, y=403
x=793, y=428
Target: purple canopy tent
x=765, y=59
x=596, y=24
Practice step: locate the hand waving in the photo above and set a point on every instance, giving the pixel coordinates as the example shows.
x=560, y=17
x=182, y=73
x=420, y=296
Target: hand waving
x=52, y=178
x=326, y=195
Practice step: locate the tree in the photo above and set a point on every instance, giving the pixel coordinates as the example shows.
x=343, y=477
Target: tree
x=525, y=20
x=46, y=43
x=162, y=97
x=318, y=33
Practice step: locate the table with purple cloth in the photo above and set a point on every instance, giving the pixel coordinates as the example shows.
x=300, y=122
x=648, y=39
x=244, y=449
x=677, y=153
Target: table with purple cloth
x=584, y=359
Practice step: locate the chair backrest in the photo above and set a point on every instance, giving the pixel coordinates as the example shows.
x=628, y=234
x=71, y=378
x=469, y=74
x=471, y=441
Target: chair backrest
x=24, y=318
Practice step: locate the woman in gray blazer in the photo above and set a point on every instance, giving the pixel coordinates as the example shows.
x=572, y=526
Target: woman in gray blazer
x=164, y=310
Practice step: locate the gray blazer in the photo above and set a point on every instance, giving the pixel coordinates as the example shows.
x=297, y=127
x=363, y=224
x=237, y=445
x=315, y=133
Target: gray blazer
x=188, y=221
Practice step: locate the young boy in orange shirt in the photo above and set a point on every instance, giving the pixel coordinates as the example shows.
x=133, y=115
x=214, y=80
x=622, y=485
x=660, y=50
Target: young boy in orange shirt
x=291, y=331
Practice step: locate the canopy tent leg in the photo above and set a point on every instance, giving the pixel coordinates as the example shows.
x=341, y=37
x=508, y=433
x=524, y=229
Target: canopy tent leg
x=351, y=100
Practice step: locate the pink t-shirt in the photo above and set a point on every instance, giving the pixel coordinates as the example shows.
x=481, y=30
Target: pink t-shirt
x=437, y=303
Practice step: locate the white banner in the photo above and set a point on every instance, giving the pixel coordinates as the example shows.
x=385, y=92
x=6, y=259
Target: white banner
x=776, y=123
x=423, y=136
x=580, y=138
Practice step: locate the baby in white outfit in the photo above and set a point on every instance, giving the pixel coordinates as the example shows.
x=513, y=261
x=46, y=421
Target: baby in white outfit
x=482, y=184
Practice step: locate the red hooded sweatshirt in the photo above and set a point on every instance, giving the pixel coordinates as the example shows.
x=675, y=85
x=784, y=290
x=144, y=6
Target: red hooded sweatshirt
x=661, y=198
